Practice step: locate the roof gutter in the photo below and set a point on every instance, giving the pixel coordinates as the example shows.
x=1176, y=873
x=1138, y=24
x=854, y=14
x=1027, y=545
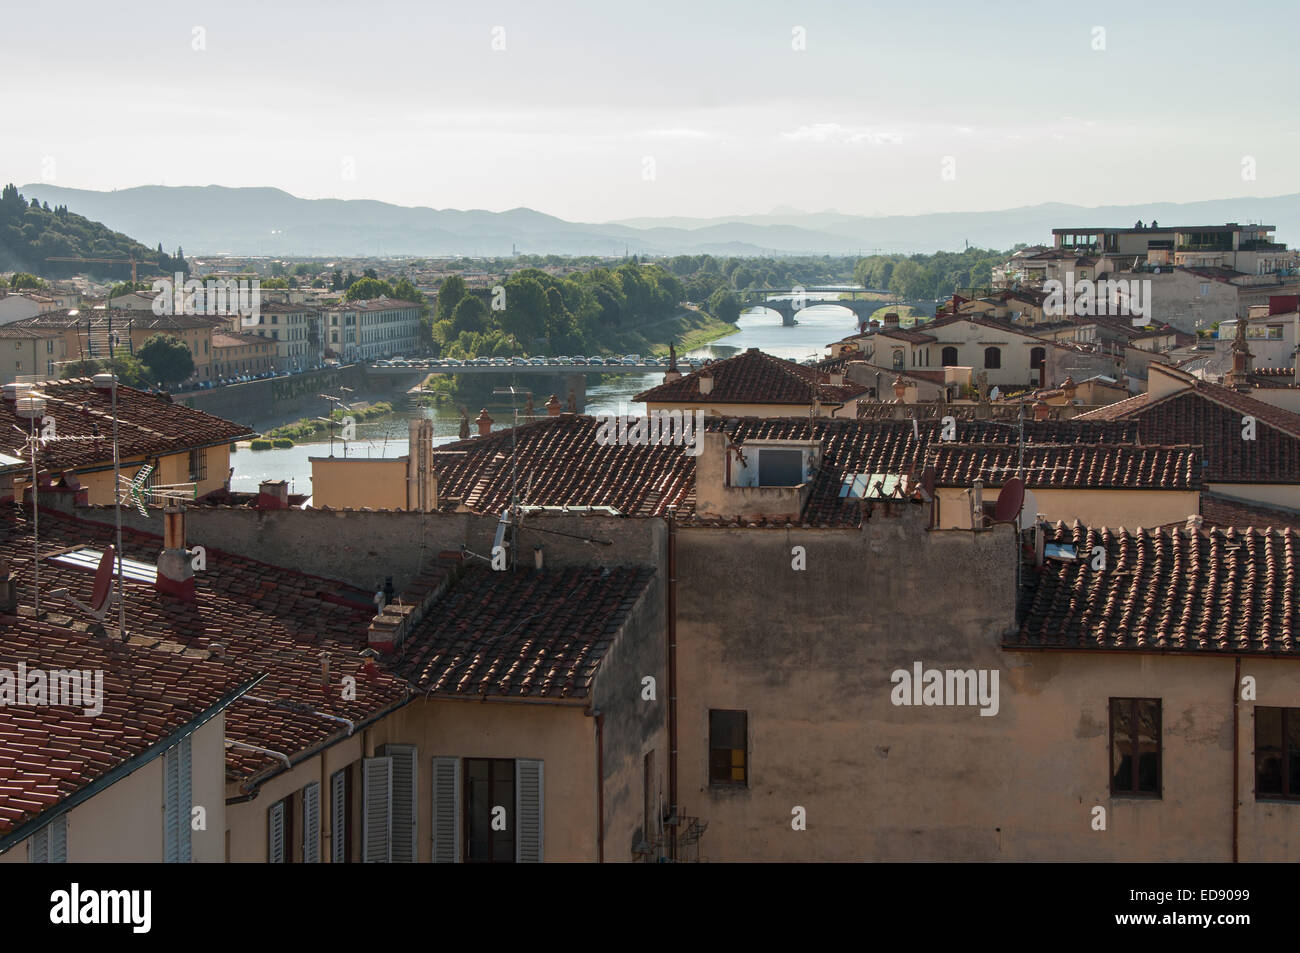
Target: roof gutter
x=22, y=832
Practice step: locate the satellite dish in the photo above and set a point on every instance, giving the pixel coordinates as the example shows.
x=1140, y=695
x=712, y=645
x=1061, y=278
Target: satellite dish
x=1010, y=501
x=1029, y=512
x=103, y=581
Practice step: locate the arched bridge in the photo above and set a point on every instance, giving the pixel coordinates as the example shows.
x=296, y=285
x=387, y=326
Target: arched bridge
x=790, y=301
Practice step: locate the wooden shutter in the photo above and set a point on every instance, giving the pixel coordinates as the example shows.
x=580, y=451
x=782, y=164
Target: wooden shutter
x=529, y=811
x=311, y=823
x=446, y=810
x=184, y=807
x=171, y=807
x=339, y=817
x=39, y=846
x=58, y=829
x=275, y=833
x=405, y=775
x=377, y=810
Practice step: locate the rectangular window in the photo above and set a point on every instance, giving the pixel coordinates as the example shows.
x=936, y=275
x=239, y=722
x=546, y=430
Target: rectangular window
x=1135, y=747
x=780, y=467
x=198, y=464
x=49, y=845
x=176, y=803
x=377, y=810
x=728, y=747
x=279, y=832
x=341, y=816
x=1277, y=754
x=489, y=810
x=311, y=823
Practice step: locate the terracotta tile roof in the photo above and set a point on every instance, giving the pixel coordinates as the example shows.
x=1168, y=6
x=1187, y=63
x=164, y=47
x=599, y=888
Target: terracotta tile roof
x=558, y=461
x=372, y=304
x=269, y=619
x=532, y=634
x=887, y=374
x=148, y=424
x=1217, y=591
x=1226, y=511
x=239, y=339
x=910, y=335
x=753, y=378
x=1271, y=378
x=1210, y=415
x=1077, y=467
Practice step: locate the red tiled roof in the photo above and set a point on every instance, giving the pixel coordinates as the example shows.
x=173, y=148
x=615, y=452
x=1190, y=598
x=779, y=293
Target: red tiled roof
x=1211, y=415
x=148, y=425
x=1225, y=511
x=1217, y=591
x=1077, y=466
x=910, y=335
x=535, y=635
x=753, y=378
x=48, y=753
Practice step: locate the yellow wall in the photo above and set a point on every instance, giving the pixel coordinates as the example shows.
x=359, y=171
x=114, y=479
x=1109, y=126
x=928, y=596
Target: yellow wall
x=172, y=468
x=1128, y=508
x=356, y=482
x=1279, y=494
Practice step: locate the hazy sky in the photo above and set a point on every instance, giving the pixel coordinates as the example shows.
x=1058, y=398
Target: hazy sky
x=610, y=110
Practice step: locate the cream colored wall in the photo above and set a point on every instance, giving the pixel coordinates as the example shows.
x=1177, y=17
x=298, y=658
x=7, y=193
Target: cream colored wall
x=1128, y=508
x=741, y=410
x=135, y=804
x=1279, y=494
x=340, y=482
x=172, y=468
x=560, y=735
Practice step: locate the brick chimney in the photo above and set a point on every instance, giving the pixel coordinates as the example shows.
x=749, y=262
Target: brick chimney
x=273, y=495
x=553, y=406
x=1041, y=410
x=484, y=423
x=175, y=574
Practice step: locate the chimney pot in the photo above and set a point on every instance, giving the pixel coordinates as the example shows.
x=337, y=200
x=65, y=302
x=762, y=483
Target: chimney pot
x=538, y=558
x=175, y=573
x=706, y=382
x=273, y=495
x=891, y=319
x=553, y=406
x=837, y=378
x=103, y=382
x=1041, y=410
x=484, y=422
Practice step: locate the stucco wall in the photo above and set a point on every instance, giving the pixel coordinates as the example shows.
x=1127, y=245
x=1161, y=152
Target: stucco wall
x=1128, y=508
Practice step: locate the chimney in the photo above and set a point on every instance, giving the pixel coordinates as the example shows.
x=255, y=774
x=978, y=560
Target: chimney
x=900, y=387
x=1041, y=410
x=837, y=378
x=539, y=560
x=389, y=629
x=175, y=574
x=273, y=495
x=891, y=319
x=325, y=671
x=103, y=382
x=1194, y=523
x=484, y=423
x=1069, y=386
x=553, y=406
x=706, y=382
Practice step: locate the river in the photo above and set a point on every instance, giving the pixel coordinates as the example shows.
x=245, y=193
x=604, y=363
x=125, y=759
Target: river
x=817, y=327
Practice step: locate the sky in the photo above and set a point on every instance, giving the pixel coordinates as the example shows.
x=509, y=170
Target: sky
x=615, y=110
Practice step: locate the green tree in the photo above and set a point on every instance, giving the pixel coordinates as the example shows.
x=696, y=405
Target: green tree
x=167, y=358
x=724, y=306
x=367, y=288
x=470, y=315
x=24, y=280
x=449, y=296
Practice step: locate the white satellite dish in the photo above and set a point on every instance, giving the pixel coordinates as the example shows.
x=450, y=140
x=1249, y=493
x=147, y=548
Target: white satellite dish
x=1028, y=510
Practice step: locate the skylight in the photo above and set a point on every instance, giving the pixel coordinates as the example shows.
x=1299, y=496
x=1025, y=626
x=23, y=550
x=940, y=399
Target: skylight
x=88, y=559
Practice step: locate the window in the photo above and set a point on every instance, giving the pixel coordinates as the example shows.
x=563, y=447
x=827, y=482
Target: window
x=950, y=357
x=898, y=359
x=176, y=803
x=49, y=347
x=1275, y=332
x=198, y=464
x=311, y=823
x=992, y=357
x=49, y=845
x=1277, y=753
x=388, y=814
x=1037, y=356
x=780, y=467
x=1205, y=288
x=489, y=810
x=1135, y=746
x=728, y=747
x=279, y=832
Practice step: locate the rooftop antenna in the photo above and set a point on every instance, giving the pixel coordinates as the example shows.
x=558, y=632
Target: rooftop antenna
x=514, y=392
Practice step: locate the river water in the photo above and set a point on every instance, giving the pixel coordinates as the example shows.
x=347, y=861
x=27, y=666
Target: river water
x=818, y=326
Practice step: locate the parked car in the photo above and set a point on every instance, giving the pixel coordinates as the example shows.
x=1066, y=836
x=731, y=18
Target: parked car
x=579, y=360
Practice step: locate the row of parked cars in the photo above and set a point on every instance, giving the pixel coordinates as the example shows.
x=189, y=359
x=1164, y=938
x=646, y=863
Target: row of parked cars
x=564, y=359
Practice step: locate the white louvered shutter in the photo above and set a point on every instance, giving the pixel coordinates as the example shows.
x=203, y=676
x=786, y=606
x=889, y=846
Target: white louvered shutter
x=59, y=840
x=377, y=810
x=530, y=811
x=405, y=775
x=311, y=823
x=338, y=816
x=275, y=833
x=446, y=810
x=171, y=807
x=184, y=807
x=39, y=846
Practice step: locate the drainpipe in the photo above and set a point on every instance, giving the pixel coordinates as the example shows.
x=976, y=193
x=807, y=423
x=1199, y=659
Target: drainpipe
x=600, y=785
x=672, y=677
x=1236, y=754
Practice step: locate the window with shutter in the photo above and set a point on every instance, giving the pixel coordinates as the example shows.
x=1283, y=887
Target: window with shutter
x=446, y=810
x=403, y=802
x=38, y=848
x=340, y=834
x=177, y=793
x=275, y=833
x=58, y=829
x=311, y=824
x=377, y=810
x=529, y=811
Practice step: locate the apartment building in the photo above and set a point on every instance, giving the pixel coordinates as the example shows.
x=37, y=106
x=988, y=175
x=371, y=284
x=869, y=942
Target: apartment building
x=366, y=330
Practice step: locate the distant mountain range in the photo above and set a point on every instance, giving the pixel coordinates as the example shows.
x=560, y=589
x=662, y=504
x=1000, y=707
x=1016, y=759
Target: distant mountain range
x=212, y=220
